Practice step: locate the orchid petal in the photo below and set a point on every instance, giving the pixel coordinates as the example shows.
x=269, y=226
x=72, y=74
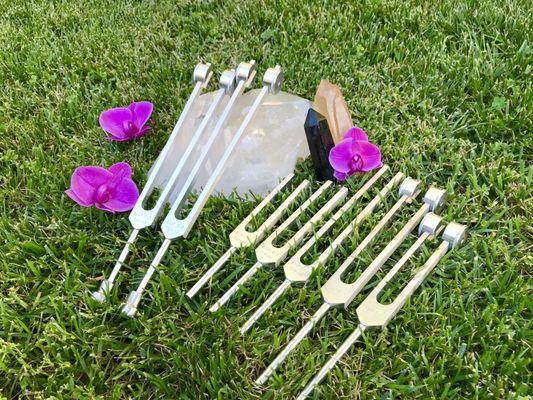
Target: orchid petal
x=85, y=181
x=356, y=133
x=141, y=112
x=122, y=169
x=143, y=131
x=340, y=176
x=81, y=201
x=341, y=155
x=123, y=196
x=112, y=121
x=104, y=207
x=371, y=156
x=117, y=139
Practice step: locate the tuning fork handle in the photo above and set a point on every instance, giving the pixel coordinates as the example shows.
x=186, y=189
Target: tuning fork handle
x=341, y=351
x=210, y=272
x=107, y=284
x=236, y=286
x=285, y=285
x=134, y=298
x=302, y=333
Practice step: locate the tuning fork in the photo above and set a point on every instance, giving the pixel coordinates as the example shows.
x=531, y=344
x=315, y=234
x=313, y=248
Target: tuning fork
x=371, y=313
x=242, y=237
x=335, y=292
x=174, y=227
x=139, y=217
x=296, y=271
x=268, y=253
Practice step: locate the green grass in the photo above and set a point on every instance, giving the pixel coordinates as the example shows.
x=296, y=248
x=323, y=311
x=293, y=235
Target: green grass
x=443, y=87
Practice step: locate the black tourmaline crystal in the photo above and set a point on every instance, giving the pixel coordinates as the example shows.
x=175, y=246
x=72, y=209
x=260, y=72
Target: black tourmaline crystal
x=320, y=143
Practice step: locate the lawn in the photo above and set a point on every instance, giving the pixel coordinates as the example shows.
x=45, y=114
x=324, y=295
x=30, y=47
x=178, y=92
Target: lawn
x=444, y=88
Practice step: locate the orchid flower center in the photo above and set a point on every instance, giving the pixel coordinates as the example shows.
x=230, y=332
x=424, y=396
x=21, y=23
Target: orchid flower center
x=102, y=194
x=129, y=127
x=356, y=163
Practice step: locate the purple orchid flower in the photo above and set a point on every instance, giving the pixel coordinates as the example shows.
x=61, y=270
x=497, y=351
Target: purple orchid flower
x=354, y=153
x=126, y=123
x=108, y=189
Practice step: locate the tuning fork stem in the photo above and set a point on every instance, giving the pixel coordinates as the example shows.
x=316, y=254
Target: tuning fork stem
x=302, y=333
x=343, y=348
x=371, y=313
x=211, y=272
x=132, y=302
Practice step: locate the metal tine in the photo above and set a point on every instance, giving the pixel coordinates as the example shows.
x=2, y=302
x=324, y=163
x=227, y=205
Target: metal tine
x=294, y=266
x=371, y=313
x=337, y=293
x=241, y=237
x=172, y=227
x=140, y=218
x=267, y=253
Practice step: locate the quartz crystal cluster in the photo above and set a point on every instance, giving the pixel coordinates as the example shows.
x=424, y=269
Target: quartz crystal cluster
x=267, y=152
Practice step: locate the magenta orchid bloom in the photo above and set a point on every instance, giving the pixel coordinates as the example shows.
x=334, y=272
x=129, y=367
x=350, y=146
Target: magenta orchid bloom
x=126, y=123
x=108, y=189
x=354, y=153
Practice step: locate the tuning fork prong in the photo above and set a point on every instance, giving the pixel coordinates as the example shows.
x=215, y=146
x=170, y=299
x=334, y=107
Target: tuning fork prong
x=371, y=313
x=242, y=237
x=293, y=267
x=173, y=227
x=142, y=217
x=268, y=253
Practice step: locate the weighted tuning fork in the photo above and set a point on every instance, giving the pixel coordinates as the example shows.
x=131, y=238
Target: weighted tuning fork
x=371, y=313
x=174, y=227
x=242, y=237
x=268, y=253
x=141, y=218
x=335, y=292
x=296, y=271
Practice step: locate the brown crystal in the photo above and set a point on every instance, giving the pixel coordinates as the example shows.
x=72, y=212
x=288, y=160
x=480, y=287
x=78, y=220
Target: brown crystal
x=330, y=103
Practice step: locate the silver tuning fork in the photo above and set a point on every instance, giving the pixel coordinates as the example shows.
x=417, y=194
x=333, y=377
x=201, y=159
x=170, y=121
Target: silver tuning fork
x=141, y=218
x=268, y=253
x=373, y=314
x=337, y=293
x=241, y=236
x=296, y=271
x=174, y=227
